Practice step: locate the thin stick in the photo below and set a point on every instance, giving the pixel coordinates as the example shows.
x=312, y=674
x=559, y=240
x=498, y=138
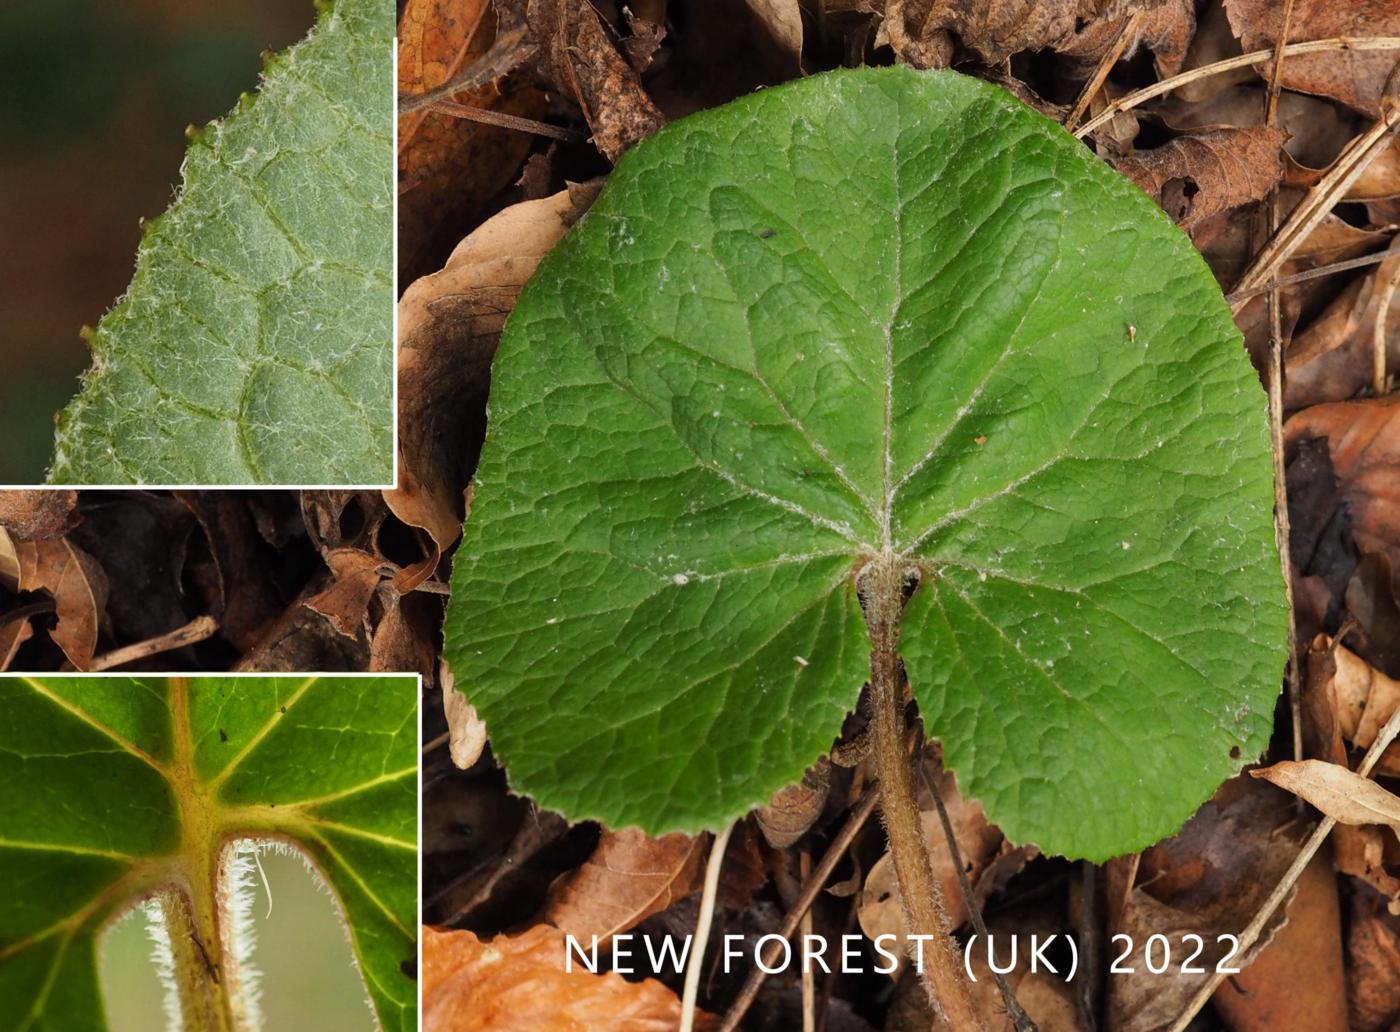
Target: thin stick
x=505, y=121
x=196, y=630
x=1131, y=100
x=1019, y=1018
x=1091, y=88
x=1318, y=273
x=809, y=1009
x=922, y=899
x=702, y=929
x=1321, y=199
x=813, y=886
x=1251, y=932
x=1282, y=529
x=1378, y=336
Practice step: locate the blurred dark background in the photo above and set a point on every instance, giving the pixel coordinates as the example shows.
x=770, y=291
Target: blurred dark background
x=94, y=99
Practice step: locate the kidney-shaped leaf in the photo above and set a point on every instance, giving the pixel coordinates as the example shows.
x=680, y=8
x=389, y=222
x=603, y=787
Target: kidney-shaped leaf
x=872, y=313
x=119, y=788
x=255, y=344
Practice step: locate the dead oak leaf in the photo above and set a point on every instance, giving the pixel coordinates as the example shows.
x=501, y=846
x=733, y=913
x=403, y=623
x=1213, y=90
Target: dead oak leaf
x=1196, y=177
x=627, y=878
x=518, y=983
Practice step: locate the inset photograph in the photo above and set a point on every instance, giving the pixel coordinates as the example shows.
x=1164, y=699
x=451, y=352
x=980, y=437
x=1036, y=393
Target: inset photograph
x=225, y=320
x=202, y=853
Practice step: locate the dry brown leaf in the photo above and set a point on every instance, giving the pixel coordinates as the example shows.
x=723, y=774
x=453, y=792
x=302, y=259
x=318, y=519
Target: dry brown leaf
x=1363, y=439
x=918, y=30
x=38, y=515
x=1373, y=956
x=1332, y=359
x=1341, y=794
x=1207, y=880
x=1195, y=177
x=78, y=587
x=448, y=166
x=783, y=20
x=793, y=810
x=578, y=55
x=628, y=878
x=13, y=634
x=405, y=637
x=518, y=983
x=346, y=602
x=465, y=730
x=1307, y=950
x=449, y=323
x=1356, y=78
x=1366, y=699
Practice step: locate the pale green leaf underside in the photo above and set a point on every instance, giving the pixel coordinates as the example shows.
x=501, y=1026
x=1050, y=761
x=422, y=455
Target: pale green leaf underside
x=89, y=816
x=254, y=345
x=872, y=311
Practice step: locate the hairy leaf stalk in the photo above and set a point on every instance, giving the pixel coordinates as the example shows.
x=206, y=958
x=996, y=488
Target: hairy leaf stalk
x=924, y=914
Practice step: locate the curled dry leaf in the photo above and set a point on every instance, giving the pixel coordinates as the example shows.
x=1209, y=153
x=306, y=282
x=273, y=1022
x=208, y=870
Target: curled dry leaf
x=793, y=810
x=518, y=983
x=1365, y=700
x=466, y=731
x=1356, y=78
x=356, y=575
x=449, y=323
x=447, y=165
x=576, y=53
x=1341, y=794
x=1363, y=439
x=1331, y=360
x=918, y=30
x=628, y=878
x=38, y=515
x=77, y=585
x=1195, y=177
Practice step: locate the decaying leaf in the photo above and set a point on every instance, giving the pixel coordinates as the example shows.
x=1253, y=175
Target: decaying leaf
x=783, y=20
x=1373, y=957
x=1331, y=361
x=38, y=515
x=356, y=576
x=519, y=983
x=793, y=810
x=466, y=732
x=628, y=878
x=449, y=323
x=1195, y=177
x=1356, y=78
x=1341, y=794
x=78, y=587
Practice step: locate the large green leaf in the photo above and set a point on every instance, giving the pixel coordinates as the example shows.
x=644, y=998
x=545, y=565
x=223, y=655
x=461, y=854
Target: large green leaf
x=254, y=344
x=872, y=313
x=118, y=788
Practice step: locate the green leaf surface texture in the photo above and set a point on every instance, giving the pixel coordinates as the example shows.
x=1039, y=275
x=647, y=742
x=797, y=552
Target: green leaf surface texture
x=116, y=789
x=873, y=313
x=255, y=342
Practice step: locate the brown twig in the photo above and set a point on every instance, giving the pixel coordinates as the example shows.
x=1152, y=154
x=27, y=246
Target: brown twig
x=810, y=890
x=506, y=54
x=196, y=630
x=1091, y=87
x=1019, y=1018
x=809, y=1008
x=505, y=121
x=1131, y=100
x=1320, y=272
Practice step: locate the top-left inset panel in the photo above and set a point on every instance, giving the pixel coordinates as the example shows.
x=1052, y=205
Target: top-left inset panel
x=254, y=344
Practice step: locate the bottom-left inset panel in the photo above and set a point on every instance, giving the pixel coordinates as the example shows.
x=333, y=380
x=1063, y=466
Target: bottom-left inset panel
x=206, y=804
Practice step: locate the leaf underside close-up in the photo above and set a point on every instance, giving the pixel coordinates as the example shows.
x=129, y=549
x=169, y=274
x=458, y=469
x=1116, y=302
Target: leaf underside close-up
x=255, y=342
x=872, y=316
x=121, y=789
